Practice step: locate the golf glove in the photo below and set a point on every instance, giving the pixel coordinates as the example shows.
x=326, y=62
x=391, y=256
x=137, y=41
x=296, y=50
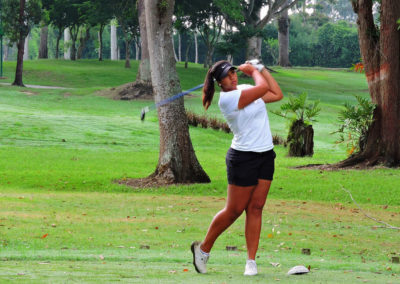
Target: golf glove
x=256, y=63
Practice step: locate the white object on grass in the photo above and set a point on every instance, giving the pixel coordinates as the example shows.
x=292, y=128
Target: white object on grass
x=299, y=269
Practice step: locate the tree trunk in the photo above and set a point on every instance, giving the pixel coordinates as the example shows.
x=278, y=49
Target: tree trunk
x=196, y=49
x=113, y=35
x=26, y=48
x=177, y=160
x=179, y=47
x=283, y=39
x=143, y=75
x=58, y=43
x=187, y=56
x=100, y=36
x=43, y=52
x=253, y=51
x=74, y=30
x=73, y=49
x=209, y=56
x=67, y=44
x=300, y=139
x=6, y=48
x=188, y=45
x=82, y=42
x=137, y=50
x=127, y=54
x=173, y=47
x=381, y=57
x=20, y=45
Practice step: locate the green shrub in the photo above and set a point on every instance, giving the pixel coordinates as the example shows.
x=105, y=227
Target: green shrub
x=354, y=122
x=301, y=134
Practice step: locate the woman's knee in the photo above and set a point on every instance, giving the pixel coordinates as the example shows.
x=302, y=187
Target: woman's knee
x=255, y=207
x=234, y=212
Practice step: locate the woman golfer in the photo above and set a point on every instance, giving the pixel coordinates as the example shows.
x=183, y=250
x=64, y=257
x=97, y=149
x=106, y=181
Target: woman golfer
x=250, y=159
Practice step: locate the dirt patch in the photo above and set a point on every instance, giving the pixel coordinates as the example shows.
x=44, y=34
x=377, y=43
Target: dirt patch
x=129, y=91
x=149, y=182
x=336, y=167
x=29, y=93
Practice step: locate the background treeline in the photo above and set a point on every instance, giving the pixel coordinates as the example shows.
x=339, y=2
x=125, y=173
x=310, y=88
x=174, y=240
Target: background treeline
x=320, y=34
x=329, y=44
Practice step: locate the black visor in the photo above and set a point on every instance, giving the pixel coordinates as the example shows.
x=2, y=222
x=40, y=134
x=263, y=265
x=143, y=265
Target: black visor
x=222, y=71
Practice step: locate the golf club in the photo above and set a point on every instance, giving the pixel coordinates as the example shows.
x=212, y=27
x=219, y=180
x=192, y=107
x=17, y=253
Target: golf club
x=168, y=100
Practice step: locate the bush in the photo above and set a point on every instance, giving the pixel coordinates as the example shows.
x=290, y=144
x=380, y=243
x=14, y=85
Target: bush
x=205, y=122
x=354, y=122
x=301, y=134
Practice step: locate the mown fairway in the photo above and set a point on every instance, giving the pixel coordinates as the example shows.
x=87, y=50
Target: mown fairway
x=64, y=219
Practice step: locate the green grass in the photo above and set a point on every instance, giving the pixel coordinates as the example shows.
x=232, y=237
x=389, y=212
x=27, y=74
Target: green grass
x=62, y=150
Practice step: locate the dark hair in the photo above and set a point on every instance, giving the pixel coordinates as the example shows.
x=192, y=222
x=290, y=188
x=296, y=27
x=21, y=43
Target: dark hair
x=209, y=88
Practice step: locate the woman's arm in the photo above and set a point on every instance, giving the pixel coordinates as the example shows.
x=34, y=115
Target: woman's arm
x=274, y=94
x=258, y=91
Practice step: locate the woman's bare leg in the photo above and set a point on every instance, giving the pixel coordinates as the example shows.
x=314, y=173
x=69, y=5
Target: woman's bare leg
x=237, y=201
x=254, y=216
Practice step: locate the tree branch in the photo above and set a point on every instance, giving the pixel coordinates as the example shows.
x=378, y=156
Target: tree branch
x=274, y=11
x=387, y=226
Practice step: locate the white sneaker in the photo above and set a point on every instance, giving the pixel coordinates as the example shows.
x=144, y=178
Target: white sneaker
x=251, y=268
x=199, y=258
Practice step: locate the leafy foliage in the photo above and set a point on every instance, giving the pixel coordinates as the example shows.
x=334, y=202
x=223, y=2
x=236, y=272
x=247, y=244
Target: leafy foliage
x=358, y=67
x=297, y=108
x=301, y=134
x=11, y=22
x=272, y=45
x=354, y=123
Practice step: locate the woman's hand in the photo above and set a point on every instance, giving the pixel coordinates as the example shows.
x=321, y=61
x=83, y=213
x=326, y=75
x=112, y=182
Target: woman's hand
x=247, y=69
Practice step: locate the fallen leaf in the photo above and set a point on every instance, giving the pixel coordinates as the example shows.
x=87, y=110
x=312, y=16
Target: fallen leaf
x=270, y=235
x=156, y=228
x=185, y=270
x=275, y=264
x=44, y=236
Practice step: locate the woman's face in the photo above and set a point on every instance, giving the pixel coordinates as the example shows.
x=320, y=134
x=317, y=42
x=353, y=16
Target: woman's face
x=229, y=83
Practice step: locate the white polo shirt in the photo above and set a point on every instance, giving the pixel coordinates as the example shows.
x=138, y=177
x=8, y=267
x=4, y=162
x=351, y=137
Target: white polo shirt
x=250, y=125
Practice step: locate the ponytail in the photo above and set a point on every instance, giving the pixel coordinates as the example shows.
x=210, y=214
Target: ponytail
x=208, y=89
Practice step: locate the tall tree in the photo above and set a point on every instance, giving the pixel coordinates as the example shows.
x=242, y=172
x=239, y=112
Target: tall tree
x=245, y=15
x=204, y=17
x=18, y=17
x=98, y=13
x=177, y=161
x=57, y=18
x=43, y=51
x=142, y=86
x=83, y=37
x=127, y=15
x=380, y=50
x=283, y=38
x=75, y=14
x=143, y=76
